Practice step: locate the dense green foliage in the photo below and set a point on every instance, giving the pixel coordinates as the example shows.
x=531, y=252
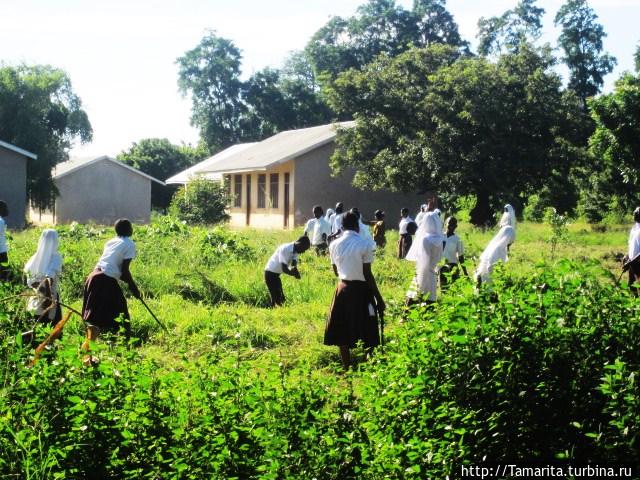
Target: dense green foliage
x=427, y=120
x=228, y=110
x=40, y=113
x=161, y=159
x=200, y=201
x=581, y=41
x=545, y=369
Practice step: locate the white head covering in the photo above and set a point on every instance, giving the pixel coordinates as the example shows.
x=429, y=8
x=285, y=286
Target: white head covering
x=430, y=229
x=495, y=251
x=327, y=215
x=47, y=261
x=508, y=217
x=634, y=241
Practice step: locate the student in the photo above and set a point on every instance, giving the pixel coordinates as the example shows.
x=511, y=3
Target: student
x=631, y=261
x=336, y=219
x=318, y=230
x=498, y=248
x=427, y=253
x=379, y=229
x=353, y=316
x=284, y=260
x=363, y=230
x=406, y=229
x=4, y=249
x=421, y=213
x=103, y=301
x=453, y=253
x=328, y=215
x=43, y=270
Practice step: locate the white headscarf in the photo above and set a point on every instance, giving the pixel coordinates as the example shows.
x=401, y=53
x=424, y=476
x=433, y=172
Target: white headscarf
x=46, y=262
x=430, y=229
x=634, y=241
x=508, y=217
x=496, y=251
x=327, y=216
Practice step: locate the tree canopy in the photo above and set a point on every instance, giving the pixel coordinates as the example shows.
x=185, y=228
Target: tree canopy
x=380, y=26
x=40, y=112
x=161, y=159
x=581, y=42
x=431, y=120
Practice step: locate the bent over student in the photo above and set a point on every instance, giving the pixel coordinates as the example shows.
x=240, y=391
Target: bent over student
x=357, y=300
x=42, y=270
x=103, y=301
x=284, y=260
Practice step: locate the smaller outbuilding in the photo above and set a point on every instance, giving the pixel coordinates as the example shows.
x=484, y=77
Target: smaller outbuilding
x=13, y=181
x=98, y=190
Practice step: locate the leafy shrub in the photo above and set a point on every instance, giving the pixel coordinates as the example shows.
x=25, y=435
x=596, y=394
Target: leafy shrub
x=201, y=201
x=166, y=225
x=221, y=245
x=77, y=231
x=534, y=210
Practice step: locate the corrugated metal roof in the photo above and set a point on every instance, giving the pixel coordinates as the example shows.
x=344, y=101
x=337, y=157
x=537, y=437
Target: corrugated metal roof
x=65, y=168
x=19, y=150
x=279, y=148
x=199, y=168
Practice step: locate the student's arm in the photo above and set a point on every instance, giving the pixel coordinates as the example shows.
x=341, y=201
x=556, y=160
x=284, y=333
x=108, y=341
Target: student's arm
x=128, y=279
x=368, y=276
x=335, y=269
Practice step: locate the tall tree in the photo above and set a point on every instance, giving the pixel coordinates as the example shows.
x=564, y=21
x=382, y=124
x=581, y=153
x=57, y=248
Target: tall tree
x=210, y=73
x=581, y=41
x=518, y=26
x=380, y=26
x=40, y=112
x=615, y=144
x=427, y=120
x=161, y=159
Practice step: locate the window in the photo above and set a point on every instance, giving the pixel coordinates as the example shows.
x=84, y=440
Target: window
x=237, y=190
x=262, y=190
x=227, y=185
x=274, y=181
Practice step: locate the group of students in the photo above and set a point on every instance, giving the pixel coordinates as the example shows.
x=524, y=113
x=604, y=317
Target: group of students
x=357, y=303
x=104, y=306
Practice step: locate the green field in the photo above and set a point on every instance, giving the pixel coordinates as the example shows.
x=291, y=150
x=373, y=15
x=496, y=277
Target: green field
x=238, y=390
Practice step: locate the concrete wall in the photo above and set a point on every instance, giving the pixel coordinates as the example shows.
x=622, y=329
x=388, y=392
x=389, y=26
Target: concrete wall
x=13, y=185
x=314, y=185
x=267, y=217
x=101, y=193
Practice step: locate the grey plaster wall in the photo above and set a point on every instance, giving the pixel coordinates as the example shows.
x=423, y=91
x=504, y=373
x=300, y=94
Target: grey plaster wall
x=314, y=185
x=13, y=185
x=101, y=193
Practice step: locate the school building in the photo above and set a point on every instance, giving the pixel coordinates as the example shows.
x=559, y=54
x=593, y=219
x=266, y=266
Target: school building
x=13, y=181
x=98, y=190
x=276, y=182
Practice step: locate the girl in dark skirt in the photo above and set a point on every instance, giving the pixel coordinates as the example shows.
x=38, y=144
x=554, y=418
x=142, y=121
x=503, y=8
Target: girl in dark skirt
x=407, y=228
x=103, y=300
x=357, y=300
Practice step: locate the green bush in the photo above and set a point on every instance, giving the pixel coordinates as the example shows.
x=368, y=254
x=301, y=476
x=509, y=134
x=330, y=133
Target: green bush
x=201, y=201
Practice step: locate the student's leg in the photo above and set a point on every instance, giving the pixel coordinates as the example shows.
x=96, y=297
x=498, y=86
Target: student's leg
x=345, y=355
x=4, y=266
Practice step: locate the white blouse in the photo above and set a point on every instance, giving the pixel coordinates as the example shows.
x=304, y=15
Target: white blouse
x=349, y=253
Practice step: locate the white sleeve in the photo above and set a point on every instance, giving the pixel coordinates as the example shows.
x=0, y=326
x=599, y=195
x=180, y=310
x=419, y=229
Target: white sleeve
x=367, y=255
x=307, y=227
x=285, y=255
x=460, y=248
x=130, y=252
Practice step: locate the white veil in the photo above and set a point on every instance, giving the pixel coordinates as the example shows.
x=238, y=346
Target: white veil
x=496, y=250
x=430, y=228
x=46, y=262
x=508, y=217
x=327, y=216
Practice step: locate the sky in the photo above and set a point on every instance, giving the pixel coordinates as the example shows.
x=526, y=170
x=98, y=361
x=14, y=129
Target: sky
x=120, y=54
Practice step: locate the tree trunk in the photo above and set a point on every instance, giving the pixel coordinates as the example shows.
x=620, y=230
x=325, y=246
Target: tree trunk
x=481, y=215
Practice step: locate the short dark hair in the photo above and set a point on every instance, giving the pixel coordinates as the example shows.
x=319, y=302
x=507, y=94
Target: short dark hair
x=318, y=208
x=123, y=227
x=304, y=242
x=339, y=207
x=379, y=214
x=404, y=211
x=350, y=221
x=356, y=212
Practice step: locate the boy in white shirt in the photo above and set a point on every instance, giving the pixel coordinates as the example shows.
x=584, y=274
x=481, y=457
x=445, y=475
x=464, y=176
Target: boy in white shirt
x=4, y=258
x=318, y=230
x=407, y=228
x=453, y=254
x=284, y=260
